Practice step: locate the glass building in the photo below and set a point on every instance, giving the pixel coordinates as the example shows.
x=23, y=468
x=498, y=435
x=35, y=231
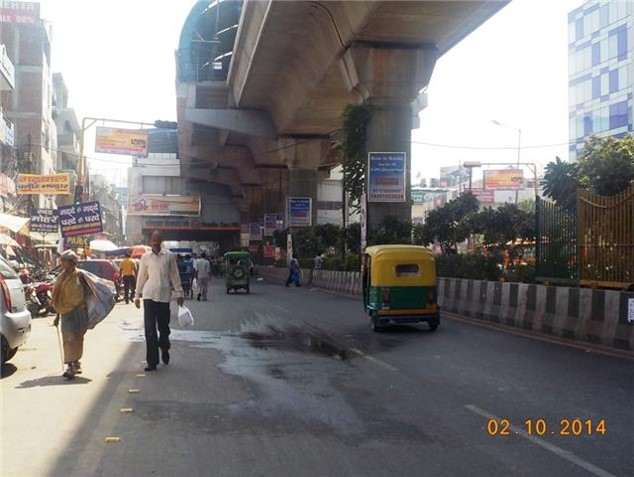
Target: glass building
x=601, y=70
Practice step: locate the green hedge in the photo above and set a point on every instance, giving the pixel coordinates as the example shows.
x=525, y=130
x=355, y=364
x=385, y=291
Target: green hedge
x=477, y=267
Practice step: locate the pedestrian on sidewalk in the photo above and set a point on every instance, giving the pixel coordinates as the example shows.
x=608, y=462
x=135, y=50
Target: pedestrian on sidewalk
x=69, y=301
x=293, y=272
x=202, y=269
x=129, y=273
x=158, y=274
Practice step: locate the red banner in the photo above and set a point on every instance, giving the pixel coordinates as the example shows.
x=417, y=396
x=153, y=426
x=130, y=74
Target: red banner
x=19, y=13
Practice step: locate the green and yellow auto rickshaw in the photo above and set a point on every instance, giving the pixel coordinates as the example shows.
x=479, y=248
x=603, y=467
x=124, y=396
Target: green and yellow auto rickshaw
x=399, y=285
x=237, y=265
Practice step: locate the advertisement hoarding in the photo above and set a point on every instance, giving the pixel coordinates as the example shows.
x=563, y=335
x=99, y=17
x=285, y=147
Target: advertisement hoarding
x=484, y=196
x=184, y=205
x=504, y=179
x=270, y=224
x=300, y=211
x=128, y=142
x=44, y=221
x=50, y=184
x=386, y=177
x=19, y=13
x=255, y=232
x=80, y=219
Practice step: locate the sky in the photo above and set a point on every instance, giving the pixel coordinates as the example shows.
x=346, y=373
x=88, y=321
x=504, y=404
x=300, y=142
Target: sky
x=117, y=58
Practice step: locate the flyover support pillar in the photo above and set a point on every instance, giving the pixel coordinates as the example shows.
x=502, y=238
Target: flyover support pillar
x=389, y=78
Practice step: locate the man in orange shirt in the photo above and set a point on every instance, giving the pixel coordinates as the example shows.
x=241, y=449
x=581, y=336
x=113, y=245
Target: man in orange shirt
x=128, y=272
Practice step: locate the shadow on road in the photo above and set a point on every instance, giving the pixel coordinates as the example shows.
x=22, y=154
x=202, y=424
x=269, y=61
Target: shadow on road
x=52, y=381
x=7, y=370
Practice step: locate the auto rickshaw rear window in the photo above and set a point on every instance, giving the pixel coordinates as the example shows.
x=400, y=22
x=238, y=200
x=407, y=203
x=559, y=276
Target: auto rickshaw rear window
x=407, y=270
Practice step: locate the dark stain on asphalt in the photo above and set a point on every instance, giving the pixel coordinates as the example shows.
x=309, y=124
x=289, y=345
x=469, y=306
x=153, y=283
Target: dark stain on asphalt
x=295, y=340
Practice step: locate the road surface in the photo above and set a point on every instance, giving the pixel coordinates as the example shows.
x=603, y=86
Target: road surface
x=292, y=382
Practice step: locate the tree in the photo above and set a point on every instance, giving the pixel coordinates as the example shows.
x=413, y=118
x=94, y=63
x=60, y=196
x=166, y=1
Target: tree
x=606, y=165
x=392, y=230
x=354, y=120
x=450, y=224
x=561, y=183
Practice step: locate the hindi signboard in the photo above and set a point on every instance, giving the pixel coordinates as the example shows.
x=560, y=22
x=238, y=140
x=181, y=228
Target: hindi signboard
x=157, y=205
x=504, y=179
x=44, y=221
x=80, y=219
x=270, y=224
x=49, y=184
x=300, y=211
x=386, y=177
x=129, y=142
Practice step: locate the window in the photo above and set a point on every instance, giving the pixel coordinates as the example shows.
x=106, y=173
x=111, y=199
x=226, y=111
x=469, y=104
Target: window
x=622, y=42
x=613, y=45
x=614, y=81
x=596, y=54
x=604, y=16
x=587, y=125
x=579, y=28
x=596, y=87
x=618, y=115
x=623, y=77
x=407, y=270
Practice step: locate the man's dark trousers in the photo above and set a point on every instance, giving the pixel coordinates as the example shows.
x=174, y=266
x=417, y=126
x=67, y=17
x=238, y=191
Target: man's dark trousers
x=156, y=314
x=129, y=287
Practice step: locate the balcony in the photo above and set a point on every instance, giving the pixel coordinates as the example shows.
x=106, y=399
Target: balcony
x=7, y=71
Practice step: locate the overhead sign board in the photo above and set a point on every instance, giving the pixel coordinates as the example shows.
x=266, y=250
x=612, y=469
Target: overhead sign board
x=183, y=205
x=270, y=224
x=484, y=196
x=128, y=142
x=44, y=221
x=300, y=211
x=19, y=13
x=386, y=177
x=50, y=184
x=80, y=219
x=504, y=179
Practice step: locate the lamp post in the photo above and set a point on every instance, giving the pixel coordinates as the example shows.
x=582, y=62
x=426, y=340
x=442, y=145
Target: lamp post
x=519, y=146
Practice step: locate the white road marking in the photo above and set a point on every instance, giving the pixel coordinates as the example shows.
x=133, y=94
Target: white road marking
x=564, y=454
x=373, y=359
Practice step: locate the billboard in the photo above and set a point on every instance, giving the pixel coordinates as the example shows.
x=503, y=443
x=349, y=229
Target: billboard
x=44, y=221
x=129, y=142
x=19, y=13
x=185, y=205
x=270, y=224
x=52, y=184
x=484, y=196
x=386, y=177
x=80, y=219
x=300, y=211
x=504, y=179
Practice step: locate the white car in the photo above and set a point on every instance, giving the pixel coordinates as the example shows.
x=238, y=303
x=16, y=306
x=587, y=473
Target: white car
x=15, y=319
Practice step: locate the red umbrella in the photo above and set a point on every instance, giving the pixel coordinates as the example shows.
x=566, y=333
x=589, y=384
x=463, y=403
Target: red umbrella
x=139, y=250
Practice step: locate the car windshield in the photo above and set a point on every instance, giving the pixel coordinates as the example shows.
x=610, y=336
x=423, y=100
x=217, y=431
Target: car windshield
x=6, y=271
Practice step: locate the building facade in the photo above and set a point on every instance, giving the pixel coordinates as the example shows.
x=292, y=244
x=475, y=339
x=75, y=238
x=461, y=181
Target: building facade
x=601, y=71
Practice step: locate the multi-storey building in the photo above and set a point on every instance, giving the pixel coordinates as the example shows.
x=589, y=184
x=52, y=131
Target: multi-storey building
x=601, y=70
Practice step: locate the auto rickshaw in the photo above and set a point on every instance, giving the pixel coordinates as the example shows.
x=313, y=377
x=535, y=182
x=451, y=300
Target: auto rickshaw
x=237, y=271
x=399, y=285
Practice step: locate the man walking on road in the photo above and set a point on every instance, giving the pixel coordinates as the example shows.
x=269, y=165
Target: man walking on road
x=158, y=268
x=202, y=269
x=128, y=272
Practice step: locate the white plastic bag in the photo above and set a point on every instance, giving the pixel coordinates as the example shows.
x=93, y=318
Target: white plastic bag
x=100, y=300
x=185, y=317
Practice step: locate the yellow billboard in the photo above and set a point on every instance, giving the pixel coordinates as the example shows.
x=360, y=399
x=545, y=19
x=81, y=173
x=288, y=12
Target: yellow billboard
x=52, y=184
x=129, y=142
x=504, y=179
x=188, y=205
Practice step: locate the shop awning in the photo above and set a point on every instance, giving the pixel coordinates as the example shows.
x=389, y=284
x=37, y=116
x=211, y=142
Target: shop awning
x=13, y=223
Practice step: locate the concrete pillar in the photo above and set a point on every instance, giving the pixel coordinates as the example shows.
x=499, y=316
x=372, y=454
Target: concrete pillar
x=303, y=158
x=389, y=78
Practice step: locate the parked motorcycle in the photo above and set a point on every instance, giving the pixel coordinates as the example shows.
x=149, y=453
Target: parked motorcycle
x=39, y=298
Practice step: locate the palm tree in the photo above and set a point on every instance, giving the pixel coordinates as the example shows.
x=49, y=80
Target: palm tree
x=561, y=182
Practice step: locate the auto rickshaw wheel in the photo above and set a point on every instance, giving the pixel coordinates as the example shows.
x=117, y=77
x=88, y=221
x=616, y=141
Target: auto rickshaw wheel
x=433, y=326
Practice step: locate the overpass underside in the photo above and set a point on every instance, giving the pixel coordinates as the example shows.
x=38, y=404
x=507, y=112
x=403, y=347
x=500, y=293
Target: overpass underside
x=262, y=85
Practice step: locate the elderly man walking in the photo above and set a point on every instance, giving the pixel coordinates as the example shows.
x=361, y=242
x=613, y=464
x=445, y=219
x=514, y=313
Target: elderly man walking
x=158, y=274
x=202, y=271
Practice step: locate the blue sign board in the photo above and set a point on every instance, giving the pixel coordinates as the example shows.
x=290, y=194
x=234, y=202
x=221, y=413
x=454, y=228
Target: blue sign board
x=80, y=219
x=44, y=221
x=300, y=211
x=270, y=224
x=386, y=177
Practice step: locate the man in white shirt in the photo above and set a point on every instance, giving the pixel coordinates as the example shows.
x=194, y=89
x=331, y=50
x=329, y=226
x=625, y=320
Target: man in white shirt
x=157, y=269
x=202, y=269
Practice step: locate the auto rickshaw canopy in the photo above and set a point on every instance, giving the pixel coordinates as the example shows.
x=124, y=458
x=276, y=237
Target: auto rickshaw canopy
x=400, y=265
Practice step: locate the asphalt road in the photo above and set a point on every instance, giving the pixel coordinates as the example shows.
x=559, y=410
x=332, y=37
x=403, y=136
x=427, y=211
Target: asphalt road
x=292, y=382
